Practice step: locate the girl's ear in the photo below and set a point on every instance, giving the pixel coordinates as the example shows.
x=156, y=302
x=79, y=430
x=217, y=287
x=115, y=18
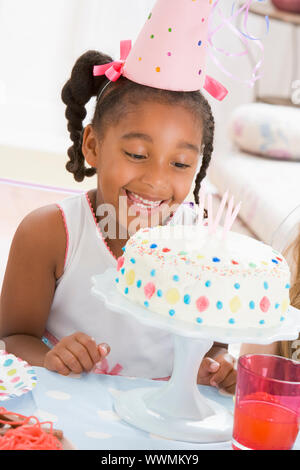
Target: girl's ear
x=90, y=146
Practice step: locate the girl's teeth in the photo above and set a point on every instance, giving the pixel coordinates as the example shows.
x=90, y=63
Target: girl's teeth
x=146, y=202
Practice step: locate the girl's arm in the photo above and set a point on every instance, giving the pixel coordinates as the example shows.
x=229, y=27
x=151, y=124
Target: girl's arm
x=35, y=262
x=260, y=349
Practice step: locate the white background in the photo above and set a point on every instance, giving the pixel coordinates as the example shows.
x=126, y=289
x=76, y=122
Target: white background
x=40, y=41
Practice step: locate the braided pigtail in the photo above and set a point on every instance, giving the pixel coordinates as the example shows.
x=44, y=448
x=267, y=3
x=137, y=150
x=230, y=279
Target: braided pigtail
x=76, y=93
x=208, y=140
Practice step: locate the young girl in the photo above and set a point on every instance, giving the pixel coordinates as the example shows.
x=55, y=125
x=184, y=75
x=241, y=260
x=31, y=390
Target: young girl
x=289, y=349
x=150, y=138
x=141, y=141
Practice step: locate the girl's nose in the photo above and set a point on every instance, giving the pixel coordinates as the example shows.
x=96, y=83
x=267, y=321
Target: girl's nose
x=156, y=177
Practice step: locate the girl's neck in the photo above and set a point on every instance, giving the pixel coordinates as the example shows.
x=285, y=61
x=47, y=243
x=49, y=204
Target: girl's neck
x=114, y=244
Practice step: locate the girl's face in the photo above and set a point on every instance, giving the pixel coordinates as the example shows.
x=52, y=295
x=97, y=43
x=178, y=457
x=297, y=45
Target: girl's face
x=146, y=163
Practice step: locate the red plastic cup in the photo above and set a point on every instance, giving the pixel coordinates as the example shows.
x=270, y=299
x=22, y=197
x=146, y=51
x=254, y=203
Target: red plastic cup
x=267, y=403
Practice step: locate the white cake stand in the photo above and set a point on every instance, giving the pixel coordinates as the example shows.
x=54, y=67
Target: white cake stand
x=177, y=410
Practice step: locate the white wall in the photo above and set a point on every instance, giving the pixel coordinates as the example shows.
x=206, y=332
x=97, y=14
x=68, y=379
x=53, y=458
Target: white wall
x=40, y=41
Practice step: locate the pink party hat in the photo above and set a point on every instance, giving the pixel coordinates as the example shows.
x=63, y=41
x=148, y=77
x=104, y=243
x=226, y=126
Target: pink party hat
x=170, y=51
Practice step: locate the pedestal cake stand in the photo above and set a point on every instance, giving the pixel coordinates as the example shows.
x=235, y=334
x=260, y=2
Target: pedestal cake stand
x=177, y=410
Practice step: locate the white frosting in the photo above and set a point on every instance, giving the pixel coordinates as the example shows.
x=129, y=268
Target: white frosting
x=184, y=272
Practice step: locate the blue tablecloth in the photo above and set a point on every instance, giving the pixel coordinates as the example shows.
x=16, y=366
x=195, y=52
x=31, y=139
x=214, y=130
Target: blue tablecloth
x=82, y=406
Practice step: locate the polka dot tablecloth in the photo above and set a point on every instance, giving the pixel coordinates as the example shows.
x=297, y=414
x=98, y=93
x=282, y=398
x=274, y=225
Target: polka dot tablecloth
x=16, y=376
x=82, y=406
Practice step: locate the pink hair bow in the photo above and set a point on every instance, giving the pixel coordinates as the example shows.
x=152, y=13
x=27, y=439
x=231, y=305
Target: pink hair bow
x=113, y=70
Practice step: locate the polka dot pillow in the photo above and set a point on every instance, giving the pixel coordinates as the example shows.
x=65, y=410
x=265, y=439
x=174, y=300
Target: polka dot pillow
x=268, y=130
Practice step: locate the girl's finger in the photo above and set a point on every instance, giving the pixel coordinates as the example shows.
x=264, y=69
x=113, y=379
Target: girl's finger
x=81, y=354
x=229, y=380
x=90, y=345
x=225, y=368
x=69, y=360
x=104, y=350
x=55, y=364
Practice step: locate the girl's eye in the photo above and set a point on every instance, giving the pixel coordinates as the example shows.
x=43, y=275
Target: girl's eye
x=181, y=165
x=135, y=156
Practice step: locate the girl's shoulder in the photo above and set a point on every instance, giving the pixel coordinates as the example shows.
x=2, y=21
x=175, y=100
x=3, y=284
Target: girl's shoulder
x=42, y=231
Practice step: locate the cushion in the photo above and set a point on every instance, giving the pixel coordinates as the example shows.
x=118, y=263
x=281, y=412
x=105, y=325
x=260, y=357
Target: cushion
x=267, y=130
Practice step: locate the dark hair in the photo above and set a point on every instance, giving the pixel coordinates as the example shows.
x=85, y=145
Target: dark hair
x=113, y=105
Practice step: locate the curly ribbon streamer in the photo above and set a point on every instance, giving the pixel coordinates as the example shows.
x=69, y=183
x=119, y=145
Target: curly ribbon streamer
x=113, y=70
x=242, y=36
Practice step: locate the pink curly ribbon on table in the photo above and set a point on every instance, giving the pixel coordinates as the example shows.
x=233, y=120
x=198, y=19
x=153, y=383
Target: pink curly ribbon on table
x=243, y=36
x=103, y=368
x=113, y=70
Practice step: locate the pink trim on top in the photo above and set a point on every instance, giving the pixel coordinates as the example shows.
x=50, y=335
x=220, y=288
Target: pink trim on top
x=67, y=231
x=98, y=228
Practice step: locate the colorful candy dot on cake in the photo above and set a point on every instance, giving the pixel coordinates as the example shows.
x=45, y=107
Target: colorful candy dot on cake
x=117, y=279
x=172, y=296
x=237, y=285
x=139, y=283
x=200, y=256
x=274, y=261
x=149, y=289
x=132, y=260
x=277, y=305
x=216, y=260
x=199, y=320
x=146, y=303
x=282, y=318
x=171, y=312
x=287, y=286
x=235, y=304
x=265, y=263
x=219, y=305
x=159, y=293
x=182, y=253
x=199, y=43
x=130, y=277
x=266, y=285
x=152, y=272
x=126, y=290
x=149, y=16
x=285, y=305
x=252, y=265
x=234, y=262
x=145, y=241
x=264, y=304
x=262, y=322
x=252, y=304
x=279, y=259
x=187, y=299
x=166, y=250
x=231, y=321
x=120, y=262
x=175, y=278
x=202, y=303
x=153, y=245
x=208, y=283
x=122, y=270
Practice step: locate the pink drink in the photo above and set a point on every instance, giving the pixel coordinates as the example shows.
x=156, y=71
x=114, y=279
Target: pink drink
x=267, y=408
x=260, y=425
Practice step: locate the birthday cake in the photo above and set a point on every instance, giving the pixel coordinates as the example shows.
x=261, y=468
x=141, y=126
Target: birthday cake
x=187, y=273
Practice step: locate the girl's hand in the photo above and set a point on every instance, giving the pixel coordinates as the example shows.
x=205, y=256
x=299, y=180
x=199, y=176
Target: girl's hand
x=219, y=372
x=75, y=353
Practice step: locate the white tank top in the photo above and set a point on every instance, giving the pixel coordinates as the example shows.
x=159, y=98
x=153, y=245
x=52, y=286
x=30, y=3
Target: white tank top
x=136, y=350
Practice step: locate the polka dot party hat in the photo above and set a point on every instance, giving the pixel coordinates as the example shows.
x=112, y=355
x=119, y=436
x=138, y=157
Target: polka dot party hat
x=170, y=51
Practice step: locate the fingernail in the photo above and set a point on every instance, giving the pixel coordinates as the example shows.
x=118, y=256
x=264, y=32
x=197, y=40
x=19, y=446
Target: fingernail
x=213, y=383
x=104, y=348
x=214, y=366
